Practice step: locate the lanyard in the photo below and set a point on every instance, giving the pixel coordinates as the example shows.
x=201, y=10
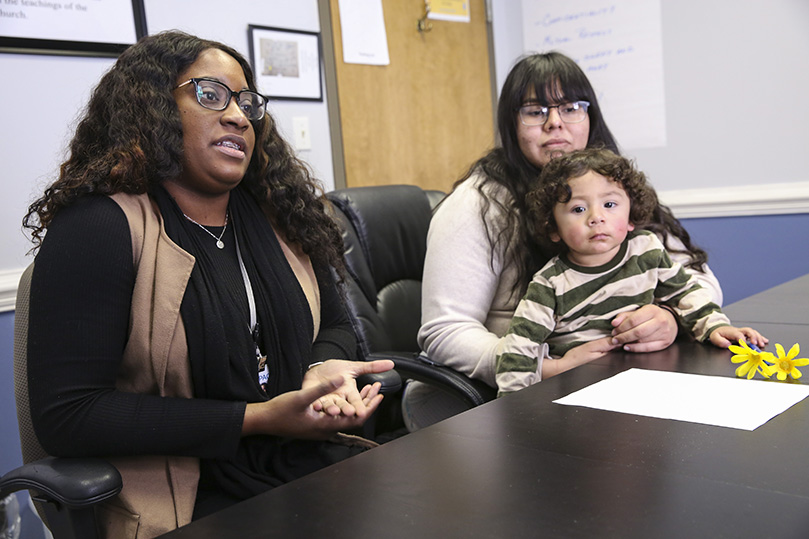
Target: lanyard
x=251, y=300
x=263, y=370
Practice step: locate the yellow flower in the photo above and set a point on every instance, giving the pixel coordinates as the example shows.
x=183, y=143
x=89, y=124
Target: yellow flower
x=785, y=364
x=753, y=360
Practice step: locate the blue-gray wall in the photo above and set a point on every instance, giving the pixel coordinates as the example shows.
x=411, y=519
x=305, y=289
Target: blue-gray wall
x=10, y=455
x=751, y=254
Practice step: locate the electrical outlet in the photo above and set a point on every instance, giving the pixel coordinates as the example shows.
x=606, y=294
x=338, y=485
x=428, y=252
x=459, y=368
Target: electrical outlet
x=302, y=136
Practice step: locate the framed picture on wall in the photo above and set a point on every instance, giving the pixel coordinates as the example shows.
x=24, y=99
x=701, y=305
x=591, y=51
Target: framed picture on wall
x=286, y=62
x=81, y=28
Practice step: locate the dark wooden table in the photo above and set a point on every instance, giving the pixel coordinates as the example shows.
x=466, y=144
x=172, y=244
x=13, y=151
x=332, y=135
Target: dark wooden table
x=784, y=304
x=525, y=467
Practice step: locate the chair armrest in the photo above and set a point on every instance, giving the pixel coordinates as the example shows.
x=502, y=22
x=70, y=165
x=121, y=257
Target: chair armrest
x=75, y=483
x=418, y=367
x=391, y=381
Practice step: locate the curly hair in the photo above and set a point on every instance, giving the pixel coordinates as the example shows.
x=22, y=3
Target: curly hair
x=130, y=139
x=554, y=186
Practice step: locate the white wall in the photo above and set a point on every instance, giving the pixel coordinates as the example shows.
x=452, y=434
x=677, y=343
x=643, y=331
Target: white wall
x=736, y=75
x=507, y=36
x=44, y=95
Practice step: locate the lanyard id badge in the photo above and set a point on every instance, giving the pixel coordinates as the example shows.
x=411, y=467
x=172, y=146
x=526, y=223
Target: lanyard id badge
x=261, y=359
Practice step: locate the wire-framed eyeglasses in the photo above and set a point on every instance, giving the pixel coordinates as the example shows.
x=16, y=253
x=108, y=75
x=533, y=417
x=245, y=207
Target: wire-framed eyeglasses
x=214, y=95
x=570, y=113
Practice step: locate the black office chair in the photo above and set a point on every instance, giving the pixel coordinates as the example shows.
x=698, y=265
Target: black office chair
x=385, y=235
x=64, y=489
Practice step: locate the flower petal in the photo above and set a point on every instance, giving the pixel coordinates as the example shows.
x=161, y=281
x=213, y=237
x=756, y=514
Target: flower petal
x=794, y=351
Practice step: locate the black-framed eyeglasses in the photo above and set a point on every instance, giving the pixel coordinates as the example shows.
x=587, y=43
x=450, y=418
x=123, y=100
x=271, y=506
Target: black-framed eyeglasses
x=214, y=95
x=570, y=113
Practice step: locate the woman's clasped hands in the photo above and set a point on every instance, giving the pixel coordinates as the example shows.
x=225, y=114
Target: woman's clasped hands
x=346, y=399
x=328, y=402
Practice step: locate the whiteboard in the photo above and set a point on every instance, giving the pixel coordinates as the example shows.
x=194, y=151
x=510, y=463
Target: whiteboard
x=735, y=76
x=619, y=47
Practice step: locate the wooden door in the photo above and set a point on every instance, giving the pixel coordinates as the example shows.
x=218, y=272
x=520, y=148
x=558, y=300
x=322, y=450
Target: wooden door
x=428, y=115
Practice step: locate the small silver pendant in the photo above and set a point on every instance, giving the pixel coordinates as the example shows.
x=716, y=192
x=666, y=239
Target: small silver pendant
x=220, y=244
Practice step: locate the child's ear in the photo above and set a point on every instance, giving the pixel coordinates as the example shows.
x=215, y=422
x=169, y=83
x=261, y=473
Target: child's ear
x=631, y=226
x=555, y=237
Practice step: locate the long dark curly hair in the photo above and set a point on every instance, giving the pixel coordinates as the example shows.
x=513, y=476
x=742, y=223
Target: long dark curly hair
x=554, y=186
x=551, y=77
x=130, y=139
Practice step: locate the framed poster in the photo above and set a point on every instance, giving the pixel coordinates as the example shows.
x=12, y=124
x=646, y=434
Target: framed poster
x=83, y=27
x=286, y=63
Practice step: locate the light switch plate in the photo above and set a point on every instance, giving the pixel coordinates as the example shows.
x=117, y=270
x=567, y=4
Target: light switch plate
x=301, y=136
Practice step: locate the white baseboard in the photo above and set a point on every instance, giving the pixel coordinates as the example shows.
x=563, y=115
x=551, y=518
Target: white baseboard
x=9, y=279
x=771, y=199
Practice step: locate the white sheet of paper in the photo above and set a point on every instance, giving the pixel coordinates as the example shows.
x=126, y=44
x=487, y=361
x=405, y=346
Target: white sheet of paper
x=365, y=40
x=737, y=403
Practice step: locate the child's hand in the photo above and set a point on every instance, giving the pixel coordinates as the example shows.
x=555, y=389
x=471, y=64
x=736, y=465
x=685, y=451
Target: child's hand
x=727, y=335
x=584, y=353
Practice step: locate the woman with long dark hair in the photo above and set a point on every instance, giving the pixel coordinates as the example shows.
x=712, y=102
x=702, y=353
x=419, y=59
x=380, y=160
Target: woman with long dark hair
x=185, y=320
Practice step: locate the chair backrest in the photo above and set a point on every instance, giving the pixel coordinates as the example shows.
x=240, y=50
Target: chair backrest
x=71, y=487
x=31, y=450
x=29, y=443
x=385, y=234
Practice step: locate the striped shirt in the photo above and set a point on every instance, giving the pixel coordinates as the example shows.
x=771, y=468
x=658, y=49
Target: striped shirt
x=567, y=305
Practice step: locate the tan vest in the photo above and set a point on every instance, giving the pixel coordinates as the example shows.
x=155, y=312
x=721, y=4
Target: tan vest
x=160, y=489
x=159, y=492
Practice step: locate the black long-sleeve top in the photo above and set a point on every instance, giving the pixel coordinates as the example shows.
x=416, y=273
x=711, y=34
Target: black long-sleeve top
x=79, y=318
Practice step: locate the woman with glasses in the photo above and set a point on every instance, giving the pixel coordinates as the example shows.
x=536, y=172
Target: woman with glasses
x=184, y=319
x=480, y=252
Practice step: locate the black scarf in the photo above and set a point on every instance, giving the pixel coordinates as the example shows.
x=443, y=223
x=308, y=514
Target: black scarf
x=222, y=351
